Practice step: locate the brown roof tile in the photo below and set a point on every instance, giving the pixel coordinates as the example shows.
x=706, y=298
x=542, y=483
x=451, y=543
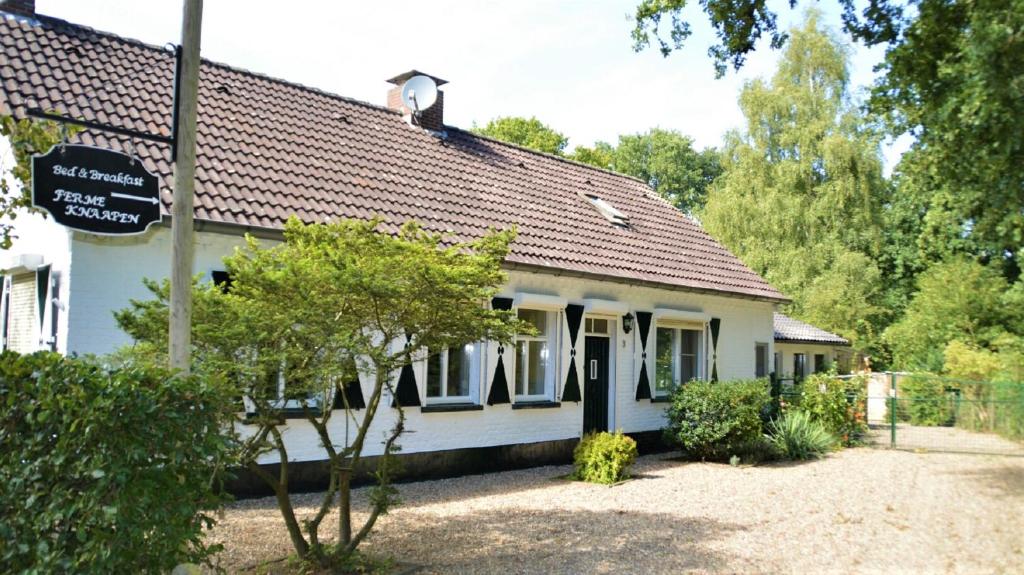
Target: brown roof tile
x=268, y=149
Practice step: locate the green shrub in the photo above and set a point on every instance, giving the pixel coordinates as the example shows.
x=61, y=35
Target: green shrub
x=797, y=436
x=604, y=457
x=105, y=471
x=713, y=420
x=838, y=404
x=924, y=400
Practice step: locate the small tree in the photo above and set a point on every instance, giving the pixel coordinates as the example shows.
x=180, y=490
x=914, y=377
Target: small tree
x=332, y=302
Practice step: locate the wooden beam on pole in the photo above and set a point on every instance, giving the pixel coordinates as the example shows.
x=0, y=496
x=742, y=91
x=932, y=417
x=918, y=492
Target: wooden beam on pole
x=182, y=247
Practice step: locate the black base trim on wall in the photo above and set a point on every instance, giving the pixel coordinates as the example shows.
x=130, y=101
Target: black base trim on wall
x=535, y=404
x=305, y=476
x=448, y=407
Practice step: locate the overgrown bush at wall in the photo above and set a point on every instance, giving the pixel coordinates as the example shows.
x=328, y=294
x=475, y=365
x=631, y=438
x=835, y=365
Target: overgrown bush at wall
x=714, y=420
x=837, y=404
x=604, y=457
x=105, y=471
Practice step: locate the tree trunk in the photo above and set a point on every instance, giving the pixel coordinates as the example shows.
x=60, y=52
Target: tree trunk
x=344, y=507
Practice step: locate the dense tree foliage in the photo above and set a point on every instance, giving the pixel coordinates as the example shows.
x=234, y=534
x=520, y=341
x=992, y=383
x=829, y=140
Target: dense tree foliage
x=527, y=132
x=955, y=80
x=958, y=300
x=801, y=197
x=306, y=316
x=26, y=138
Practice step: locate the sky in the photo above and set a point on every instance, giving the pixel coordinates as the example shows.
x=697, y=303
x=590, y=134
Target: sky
x=570, y=63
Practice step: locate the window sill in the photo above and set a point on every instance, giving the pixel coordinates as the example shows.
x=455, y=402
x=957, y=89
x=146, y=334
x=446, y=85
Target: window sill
x=447, y=407
x=536, y=404
x=662, y=399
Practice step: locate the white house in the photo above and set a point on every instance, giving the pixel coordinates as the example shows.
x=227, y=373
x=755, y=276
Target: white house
x=802, y=349
x=630, y=296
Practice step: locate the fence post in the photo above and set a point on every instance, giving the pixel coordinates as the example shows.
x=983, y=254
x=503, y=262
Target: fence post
x=892, y=410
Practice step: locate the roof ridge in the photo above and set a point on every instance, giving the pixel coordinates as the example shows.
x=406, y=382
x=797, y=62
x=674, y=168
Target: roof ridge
x=59, y=22
x=43, y=18
x=552, y=156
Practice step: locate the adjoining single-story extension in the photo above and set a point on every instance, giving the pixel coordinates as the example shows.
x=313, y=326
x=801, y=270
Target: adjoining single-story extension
x=630, y=296
x=802, y=349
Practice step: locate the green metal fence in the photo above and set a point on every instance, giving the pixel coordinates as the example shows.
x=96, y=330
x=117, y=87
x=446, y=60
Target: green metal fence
x=932, y=413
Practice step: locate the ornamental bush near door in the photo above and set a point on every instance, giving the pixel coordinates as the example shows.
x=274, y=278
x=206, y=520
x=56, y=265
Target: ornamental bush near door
x=604, y=457
x=105, y=471
x=714, y=420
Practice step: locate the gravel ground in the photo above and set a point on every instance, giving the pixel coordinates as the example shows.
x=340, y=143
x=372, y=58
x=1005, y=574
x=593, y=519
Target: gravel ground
x=859, y=510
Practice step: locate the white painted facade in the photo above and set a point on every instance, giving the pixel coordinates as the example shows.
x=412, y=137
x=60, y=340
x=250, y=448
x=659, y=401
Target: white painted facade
x=785, y=359
x=99, y=275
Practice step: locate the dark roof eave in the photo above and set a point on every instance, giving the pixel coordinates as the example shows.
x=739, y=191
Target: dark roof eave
x=843, y=343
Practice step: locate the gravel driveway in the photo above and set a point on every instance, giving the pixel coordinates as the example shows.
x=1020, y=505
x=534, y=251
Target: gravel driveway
x=860, y=510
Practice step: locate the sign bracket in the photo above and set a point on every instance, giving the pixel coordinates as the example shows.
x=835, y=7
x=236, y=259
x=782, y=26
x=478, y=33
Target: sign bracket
x=166, y=140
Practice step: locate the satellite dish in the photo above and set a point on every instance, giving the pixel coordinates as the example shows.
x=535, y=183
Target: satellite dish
x=419, y=93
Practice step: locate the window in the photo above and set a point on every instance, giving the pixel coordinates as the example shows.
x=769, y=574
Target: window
x=450, y=375
x=819, y=363
x=596, y=326
x=760, y=359
x=677, y=358
x=799, y=366
x=607, y=210
x=534, y=365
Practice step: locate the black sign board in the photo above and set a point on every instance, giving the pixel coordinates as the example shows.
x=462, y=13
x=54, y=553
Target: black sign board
x=95, y=190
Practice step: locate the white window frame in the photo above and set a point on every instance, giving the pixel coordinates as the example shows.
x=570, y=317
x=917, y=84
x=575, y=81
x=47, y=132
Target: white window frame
x=552, y=321
x=677, y=364
x=474, y=379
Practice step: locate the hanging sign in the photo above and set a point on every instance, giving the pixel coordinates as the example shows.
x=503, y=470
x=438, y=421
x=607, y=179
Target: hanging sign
x=95, y=190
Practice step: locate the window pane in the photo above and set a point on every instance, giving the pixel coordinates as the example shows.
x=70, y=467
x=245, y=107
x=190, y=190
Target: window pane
x=538, y=367
x=521, y=367
x=588, y=325
x=688, y=368
x=537, y=318
x=819, y=362
x=663, y=378
x=434, y=375
x=760, y=360
x=691, y=341
x=599, y=326
x=799, y=365
x=460, y=361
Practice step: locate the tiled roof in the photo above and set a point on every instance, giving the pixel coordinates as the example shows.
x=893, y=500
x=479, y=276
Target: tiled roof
x=793, y=330
x=268, y=149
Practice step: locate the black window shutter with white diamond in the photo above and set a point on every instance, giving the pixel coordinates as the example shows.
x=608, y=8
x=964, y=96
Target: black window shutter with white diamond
x=643, y=322
x=352, y=391
x=406, y=394
x=574, y=316
x=499, y=385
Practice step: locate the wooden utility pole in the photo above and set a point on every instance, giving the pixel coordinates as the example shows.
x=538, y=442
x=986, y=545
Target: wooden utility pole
x=182, y=247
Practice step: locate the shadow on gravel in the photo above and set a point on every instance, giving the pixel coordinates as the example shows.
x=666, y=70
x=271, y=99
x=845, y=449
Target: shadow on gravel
x=1003, y=481
x=558, y=541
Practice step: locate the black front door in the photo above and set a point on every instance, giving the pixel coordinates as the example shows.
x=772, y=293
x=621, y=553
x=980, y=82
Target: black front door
x=595, y=387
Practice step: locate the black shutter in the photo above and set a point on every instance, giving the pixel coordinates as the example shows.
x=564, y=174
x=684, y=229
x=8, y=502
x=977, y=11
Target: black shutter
x=42, y=288
x=716, y=324
x=406, y=394
x=499, y=385
x=352, y=389
x=643, y=388
x=574, y=315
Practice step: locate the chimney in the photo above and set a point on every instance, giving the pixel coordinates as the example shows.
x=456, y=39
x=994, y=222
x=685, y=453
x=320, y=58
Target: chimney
x=19, y=7
x=430, y=119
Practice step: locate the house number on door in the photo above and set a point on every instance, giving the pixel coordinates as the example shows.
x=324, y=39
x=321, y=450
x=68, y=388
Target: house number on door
x=593, y=369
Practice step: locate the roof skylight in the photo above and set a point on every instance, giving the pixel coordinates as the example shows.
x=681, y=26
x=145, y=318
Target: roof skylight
x=607, y=210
